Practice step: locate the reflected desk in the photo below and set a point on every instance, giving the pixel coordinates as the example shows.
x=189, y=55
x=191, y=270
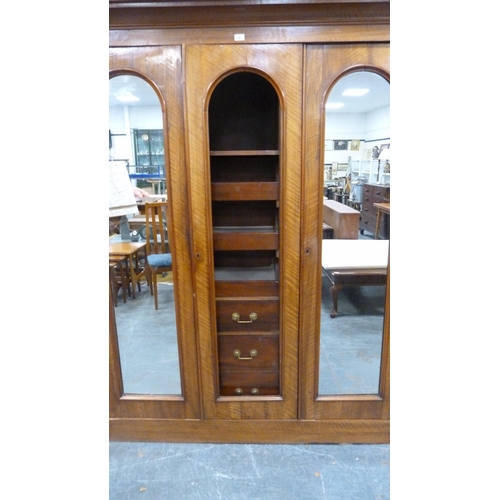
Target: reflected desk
x=354, y=262
x=343, y=219
x=152, y=198
x=129, y=249
x=382, y=208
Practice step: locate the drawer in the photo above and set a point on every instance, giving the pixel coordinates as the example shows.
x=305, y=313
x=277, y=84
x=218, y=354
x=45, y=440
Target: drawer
x=249, y=384
x=367, y=223
x=243, y=353
x=368, y=208
x=247, y=314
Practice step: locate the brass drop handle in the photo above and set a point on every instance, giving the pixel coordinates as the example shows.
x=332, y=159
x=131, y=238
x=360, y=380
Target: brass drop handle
x=237, y=354
x=239, y=391
x=252, y=316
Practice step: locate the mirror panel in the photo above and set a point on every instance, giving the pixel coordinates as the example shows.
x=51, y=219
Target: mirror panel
x=147, y=338
x=351, y=336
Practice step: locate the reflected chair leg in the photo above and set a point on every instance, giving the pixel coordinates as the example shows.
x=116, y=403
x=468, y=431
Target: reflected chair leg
x=130, y=275
x=150, y=280
x=155, y=288
x=113, y=283
x=334, y=290
x=124, y=282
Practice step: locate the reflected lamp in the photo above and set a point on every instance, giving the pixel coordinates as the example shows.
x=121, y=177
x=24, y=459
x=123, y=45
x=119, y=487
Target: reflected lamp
x=384, y=155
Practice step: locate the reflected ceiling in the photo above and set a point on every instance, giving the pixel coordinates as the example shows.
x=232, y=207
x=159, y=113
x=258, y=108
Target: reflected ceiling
x=129, y=84
x=378, y=97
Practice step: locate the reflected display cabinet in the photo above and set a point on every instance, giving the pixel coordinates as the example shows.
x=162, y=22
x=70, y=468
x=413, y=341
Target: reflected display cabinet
x=149, y=149
x=244, y=130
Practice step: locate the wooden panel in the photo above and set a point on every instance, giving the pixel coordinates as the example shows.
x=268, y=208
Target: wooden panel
x=246, y=431
x=178, y=16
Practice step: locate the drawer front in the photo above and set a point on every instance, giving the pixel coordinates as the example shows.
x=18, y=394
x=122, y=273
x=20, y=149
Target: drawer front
x=367, y=190
x=367, y=223
x=247, y=315
x=243, y=353
x=380, y=194
x=368, y=209
x=249, y=384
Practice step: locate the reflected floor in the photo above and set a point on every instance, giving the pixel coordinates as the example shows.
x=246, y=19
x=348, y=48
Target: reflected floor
x=351, y=343
x=147, y=340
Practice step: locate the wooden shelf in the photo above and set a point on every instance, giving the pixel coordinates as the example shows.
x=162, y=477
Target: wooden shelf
x=244, y=191
x=246, y=152
x=246, y=239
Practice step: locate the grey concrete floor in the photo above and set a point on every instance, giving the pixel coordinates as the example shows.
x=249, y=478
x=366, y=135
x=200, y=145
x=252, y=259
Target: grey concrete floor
x=247, y=472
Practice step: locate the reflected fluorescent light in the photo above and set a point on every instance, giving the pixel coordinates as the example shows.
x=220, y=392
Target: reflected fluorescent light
x=127, y=97
x=334, y=105
x=355, y=92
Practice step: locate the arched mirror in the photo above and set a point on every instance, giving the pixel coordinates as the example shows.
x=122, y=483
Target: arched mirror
x=147, y=337
x=354, y=261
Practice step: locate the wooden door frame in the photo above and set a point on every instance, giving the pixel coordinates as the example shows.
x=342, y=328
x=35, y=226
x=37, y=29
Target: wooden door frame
x=137, y=41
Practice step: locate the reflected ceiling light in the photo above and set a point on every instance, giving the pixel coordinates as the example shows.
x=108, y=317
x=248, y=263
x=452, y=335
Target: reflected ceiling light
x=334, y=105
x=127, y=97
x=355, y=92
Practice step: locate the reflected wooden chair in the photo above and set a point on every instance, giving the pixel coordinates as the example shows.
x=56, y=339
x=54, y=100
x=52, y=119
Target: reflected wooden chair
x=158, y=257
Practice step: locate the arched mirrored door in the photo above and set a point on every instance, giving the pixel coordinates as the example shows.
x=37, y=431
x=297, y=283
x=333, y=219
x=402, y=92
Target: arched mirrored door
x=147, y=337
x=354, y=264
x=345, y=323
x=154, y=368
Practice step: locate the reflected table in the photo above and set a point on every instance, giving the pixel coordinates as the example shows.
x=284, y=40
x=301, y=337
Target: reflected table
x=131, y=250
x=382, y=208
x=354, y=262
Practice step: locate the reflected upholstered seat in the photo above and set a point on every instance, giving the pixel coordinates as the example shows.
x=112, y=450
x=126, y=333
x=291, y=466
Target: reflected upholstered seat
x=159, y=260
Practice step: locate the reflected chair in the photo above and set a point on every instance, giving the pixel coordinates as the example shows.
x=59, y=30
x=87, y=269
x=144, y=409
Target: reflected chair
x=158, y=258
x=118, y=277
